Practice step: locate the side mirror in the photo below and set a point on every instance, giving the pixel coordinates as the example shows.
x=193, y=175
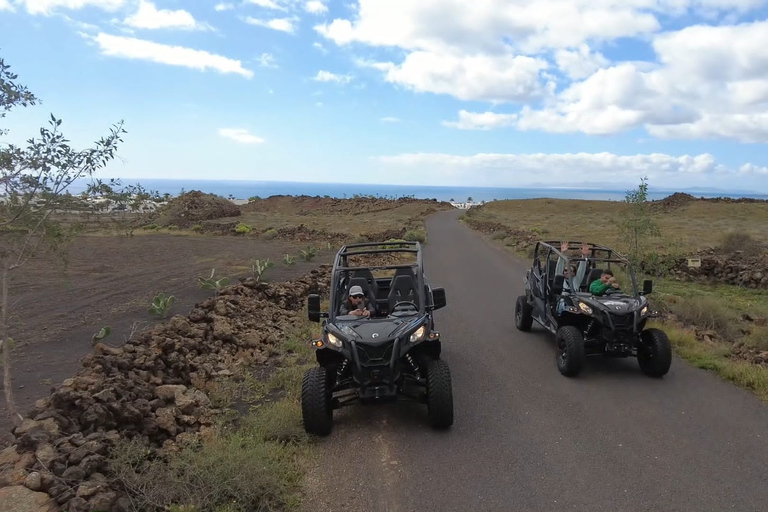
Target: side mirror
x=438, y=297
x=647, y=286
x=313, y=307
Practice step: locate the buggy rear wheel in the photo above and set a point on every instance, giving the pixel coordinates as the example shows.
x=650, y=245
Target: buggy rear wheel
x=316, y=406
x=439, y=394
x=570, y=350
x=654, y=355
x=523, y=316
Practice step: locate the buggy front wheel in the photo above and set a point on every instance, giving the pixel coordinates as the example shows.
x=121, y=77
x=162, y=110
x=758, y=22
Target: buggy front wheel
x=316, y=404
x=654, y=355
x=439, y=394
x=570, y=350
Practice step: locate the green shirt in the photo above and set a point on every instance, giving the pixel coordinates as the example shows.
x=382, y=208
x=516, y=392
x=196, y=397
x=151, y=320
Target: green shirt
x=598, y=287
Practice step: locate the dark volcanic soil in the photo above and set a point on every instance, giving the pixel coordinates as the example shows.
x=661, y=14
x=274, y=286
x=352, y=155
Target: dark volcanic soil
x=111, y=281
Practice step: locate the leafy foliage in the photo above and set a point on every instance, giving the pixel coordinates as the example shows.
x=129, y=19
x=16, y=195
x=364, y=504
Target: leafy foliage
x=161, y=304
x=636, y=224
x=38, y=213
x=211, y=283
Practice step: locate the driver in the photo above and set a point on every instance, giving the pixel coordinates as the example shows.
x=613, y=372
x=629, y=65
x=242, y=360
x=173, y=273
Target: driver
x=356, y=304
x=599, y=286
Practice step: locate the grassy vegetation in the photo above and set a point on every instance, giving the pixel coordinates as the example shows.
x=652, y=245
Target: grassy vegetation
x=694, y=226
x=267, y=216
x=717, y=327
x=254, y=459
x=716, y=357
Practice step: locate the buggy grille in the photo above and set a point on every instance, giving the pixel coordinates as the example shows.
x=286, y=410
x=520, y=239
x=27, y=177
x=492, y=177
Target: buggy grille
x=623, y=321
x=375, y=354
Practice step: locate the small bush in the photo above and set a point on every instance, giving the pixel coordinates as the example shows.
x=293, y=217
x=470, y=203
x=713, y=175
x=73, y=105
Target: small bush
x=197, y=228
x=161, y=304
x=498, y=235
x=269, y=234
x=289, y=260
x=703, y=312
x=739, y=241
x=416, y=236
x=242, y=229
x=150, y=227
x=260, y=267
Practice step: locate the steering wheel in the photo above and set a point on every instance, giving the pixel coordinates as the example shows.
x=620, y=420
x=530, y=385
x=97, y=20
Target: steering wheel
x=412, y=306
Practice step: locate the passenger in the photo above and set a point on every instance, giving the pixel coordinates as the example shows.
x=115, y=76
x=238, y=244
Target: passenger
x=578, y=274
x=599, y=286
x=356, y=304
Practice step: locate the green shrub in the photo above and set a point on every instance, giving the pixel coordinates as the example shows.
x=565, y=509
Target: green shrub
x=269, y=234
x=416, y=236
x=242, y=229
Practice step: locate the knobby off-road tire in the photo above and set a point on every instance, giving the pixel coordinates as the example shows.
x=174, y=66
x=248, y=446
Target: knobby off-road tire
x=570, y=351
x=523, y=314
x=655, y=354
x=316, y=408
x=439, y=394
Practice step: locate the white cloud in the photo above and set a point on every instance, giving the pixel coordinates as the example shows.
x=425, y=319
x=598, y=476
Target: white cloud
x=481, y=120
x=240, y=135
x=499, y=78
x=315, y=7
x=139, y=49
x=327, y=76
x=148, y=16
x=390, y=119
x=279, y=24
x=320, y=47
x=569, y=169
x=224, y=7
x=269, y=4
x=267, y=60
x=580, y=63
x=46, y=7
x=5, y=5
x=711, y=82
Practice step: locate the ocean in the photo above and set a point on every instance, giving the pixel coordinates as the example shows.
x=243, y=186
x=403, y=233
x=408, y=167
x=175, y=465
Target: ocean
x=247, y=189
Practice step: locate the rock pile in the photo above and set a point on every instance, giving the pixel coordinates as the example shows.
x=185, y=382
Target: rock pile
x=736, y=269
x=150, y=388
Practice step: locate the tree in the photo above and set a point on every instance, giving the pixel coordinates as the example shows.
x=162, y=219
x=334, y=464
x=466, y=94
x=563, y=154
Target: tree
x=636, y=224
x=469, y=199
x=35, y=200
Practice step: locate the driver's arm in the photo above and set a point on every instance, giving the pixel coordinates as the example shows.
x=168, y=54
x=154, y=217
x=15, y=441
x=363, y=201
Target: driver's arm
x=343, y=309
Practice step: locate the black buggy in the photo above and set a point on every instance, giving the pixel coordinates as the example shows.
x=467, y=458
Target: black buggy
x=394, y=354
x=612, y=325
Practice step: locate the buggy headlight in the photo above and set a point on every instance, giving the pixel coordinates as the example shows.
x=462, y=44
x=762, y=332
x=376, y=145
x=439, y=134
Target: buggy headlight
x=585, y=309
x=644, y=311
x=418, y=334
x=333, y=340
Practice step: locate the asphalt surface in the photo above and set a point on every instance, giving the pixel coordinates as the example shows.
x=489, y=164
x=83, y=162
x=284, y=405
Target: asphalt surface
x=526, y=438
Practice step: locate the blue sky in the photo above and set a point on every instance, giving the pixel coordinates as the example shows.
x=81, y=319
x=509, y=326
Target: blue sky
x=508, y=93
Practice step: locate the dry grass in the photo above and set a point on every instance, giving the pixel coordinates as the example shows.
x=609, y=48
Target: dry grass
x=409, y=215
x=694, y=226
x=256, y=464
x=714, y=357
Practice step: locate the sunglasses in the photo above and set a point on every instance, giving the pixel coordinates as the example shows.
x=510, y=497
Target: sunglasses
x=357, y=296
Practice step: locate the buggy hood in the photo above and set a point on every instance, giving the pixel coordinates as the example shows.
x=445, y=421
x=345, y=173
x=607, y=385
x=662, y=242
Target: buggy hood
x=378, y=330
x=614, y=303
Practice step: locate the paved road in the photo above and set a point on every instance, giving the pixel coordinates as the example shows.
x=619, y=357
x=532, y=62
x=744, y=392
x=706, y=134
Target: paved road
x=527, y=438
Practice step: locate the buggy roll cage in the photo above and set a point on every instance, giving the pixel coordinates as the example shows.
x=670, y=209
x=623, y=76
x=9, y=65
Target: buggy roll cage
x=341, y=266
x=612, y=257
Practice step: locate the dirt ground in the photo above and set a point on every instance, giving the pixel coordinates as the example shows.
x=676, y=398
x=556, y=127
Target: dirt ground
x=111, y=282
